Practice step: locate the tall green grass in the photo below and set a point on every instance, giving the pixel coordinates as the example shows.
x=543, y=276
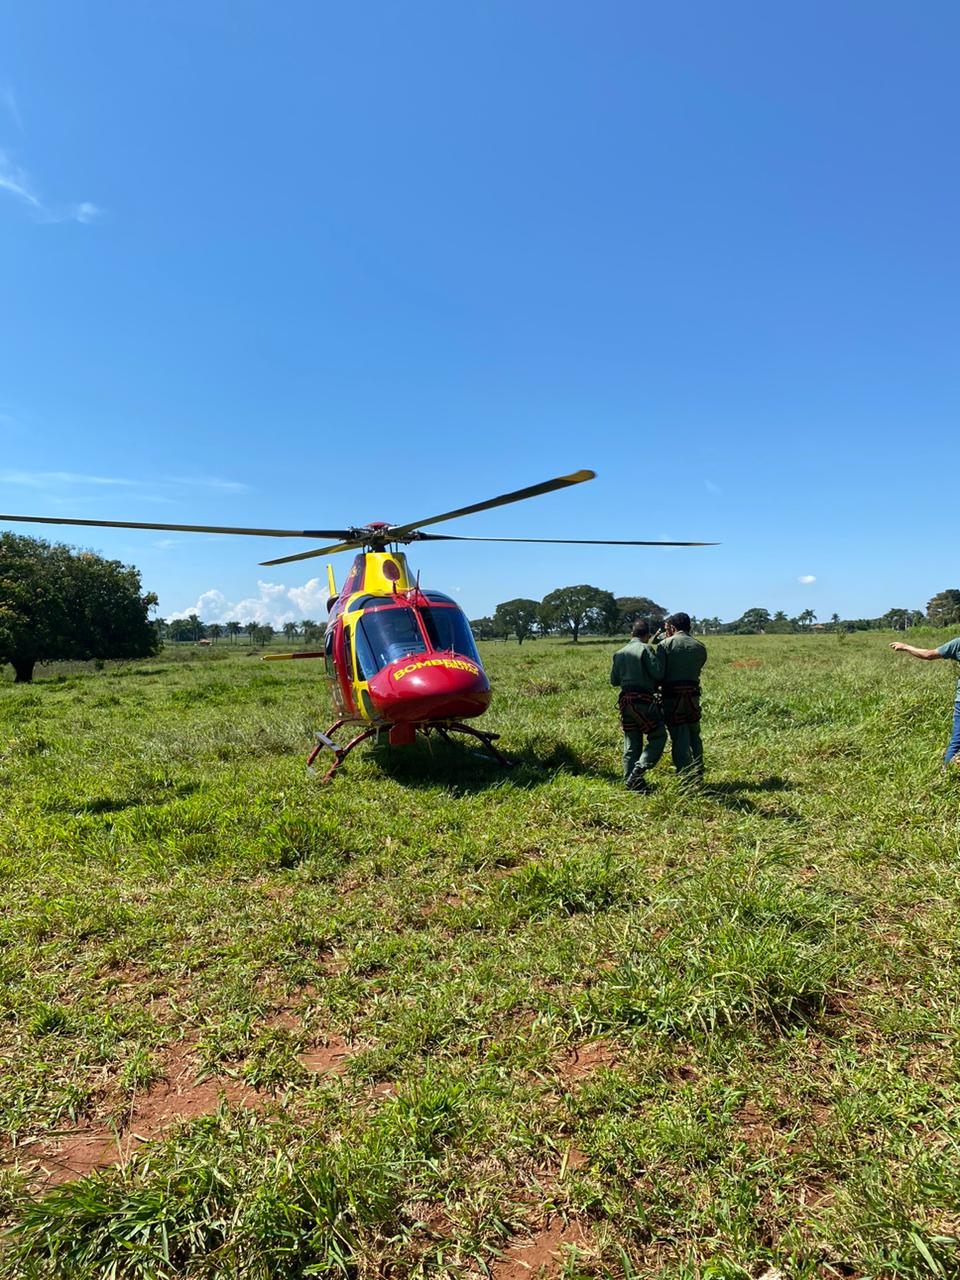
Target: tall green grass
x=767, y=971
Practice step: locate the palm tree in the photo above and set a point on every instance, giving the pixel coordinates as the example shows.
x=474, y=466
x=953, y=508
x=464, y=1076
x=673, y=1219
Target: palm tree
x=290, y=630
x=214, y=631
x=307, y=628
x=233, y=630
x=197, y=626
x=807, y=618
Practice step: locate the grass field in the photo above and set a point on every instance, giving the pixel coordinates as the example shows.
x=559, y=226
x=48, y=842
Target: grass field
x=442, y=1019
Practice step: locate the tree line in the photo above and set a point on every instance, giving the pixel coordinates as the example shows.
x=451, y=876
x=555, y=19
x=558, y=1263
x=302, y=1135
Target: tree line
x=587, y=610
x=59, y=604
x=192, y=629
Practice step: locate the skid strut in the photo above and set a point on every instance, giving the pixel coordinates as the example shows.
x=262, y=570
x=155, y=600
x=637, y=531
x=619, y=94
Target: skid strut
x=340, y=753
x=444, y=729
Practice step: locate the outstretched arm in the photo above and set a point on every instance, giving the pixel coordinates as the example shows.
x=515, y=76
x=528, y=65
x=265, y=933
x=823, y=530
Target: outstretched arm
x=926, y=654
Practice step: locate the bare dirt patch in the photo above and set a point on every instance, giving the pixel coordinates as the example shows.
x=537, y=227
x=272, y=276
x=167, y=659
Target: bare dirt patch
x=330, y=1058
x=747, y=662
x=542, y=1255
x=585, y=1059
x=178, y=1096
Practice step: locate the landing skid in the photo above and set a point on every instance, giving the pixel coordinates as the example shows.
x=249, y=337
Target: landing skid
x=444, y=729
x=486, y=739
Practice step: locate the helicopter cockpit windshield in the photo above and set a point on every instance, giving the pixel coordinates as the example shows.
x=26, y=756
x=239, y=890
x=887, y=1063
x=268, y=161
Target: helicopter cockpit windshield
x=384, y=635
x=447, y=627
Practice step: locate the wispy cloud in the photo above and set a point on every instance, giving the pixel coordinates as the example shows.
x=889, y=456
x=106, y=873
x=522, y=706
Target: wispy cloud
x=806, y=579
x=210, y=482
x=274, y=604
x=17, y=183
x=9, y=100
x=711, y=487
x=59, y=479
x=56, y=479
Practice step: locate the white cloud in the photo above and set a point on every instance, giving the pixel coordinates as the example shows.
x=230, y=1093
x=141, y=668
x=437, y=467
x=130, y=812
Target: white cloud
x=57, y=479
x=806, y=579
x=17, y=183
x=52, y=479
x=274, y=604
x=86, y=212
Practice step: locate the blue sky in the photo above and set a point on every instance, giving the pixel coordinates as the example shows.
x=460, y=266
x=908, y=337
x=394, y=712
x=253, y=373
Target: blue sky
x=311, y=265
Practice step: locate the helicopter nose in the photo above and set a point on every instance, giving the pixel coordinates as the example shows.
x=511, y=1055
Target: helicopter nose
x=430, y=686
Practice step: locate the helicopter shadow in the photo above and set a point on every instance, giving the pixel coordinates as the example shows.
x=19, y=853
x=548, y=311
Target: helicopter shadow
x=464, y=768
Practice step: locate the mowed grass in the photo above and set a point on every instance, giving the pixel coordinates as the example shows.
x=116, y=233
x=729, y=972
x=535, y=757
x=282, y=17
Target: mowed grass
x=703, y=1034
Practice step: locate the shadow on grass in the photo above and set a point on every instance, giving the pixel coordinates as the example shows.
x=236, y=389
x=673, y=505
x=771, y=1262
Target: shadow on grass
x=730, y=795
x=465, y=767
x=106, y=804
x=759, y=784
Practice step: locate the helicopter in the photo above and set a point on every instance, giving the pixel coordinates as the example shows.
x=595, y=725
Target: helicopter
x=400, y=660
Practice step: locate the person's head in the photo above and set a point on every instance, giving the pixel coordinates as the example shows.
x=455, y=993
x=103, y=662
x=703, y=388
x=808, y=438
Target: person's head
x=640, y=629
x=677, y=622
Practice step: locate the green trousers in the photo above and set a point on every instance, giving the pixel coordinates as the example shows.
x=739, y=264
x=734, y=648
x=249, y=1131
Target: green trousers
x=634, y=751
x=686, y=749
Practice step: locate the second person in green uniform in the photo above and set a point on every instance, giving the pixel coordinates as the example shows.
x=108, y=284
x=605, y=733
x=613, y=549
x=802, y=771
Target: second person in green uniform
x=683, y=658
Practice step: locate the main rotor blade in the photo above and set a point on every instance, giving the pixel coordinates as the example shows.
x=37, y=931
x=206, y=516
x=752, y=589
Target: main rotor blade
x=186, y=528
x=397, y=531
x=320, y=551
x=583, y=542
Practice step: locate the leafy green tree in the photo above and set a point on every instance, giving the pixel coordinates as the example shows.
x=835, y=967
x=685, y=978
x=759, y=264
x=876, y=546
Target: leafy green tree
x=180, y=629
x=896, y=619
x=233, y=630
x=580, y=608
x=516, y=617
x=807, y=618
x=308, y=628
x=779, y=624
x=57, y=604
x=214, y=631
x=291, y=631
x=484, y=628
x=751, y=622
x=630, y=608
x=260, y=633
x=944, y=607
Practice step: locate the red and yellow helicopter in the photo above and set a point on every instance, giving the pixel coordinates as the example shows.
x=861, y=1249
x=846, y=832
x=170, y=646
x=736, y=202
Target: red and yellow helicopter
x=400, y=660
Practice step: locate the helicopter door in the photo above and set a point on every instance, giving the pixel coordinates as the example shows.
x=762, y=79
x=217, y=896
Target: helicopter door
x=342, y=690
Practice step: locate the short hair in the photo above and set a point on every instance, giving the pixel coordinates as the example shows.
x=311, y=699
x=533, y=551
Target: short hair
x=641, y=627
x=680, y=620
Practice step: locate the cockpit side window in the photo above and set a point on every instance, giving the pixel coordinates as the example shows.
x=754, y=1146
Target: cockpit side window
x=448, y=628
x=385, y=635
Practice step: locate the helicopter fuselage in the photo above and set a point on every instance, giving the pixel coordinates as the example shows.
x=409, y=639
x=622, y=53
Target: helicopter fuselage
x=398, y=656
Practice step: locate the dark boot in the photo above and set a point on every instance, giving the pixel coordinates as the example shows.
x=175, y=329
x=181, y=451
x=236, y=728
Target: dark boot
x=637, y=780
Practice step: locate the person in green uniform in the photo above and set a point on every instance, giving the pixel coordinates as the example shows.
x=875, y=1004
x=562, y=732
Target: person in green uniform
x=682, y=657
x=636, y=672
x=949, y=650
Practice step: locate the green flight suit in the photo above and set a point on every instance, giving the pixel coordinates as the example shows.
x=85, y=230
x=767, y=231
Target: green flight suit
x=683, y=658
x=637, y=670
